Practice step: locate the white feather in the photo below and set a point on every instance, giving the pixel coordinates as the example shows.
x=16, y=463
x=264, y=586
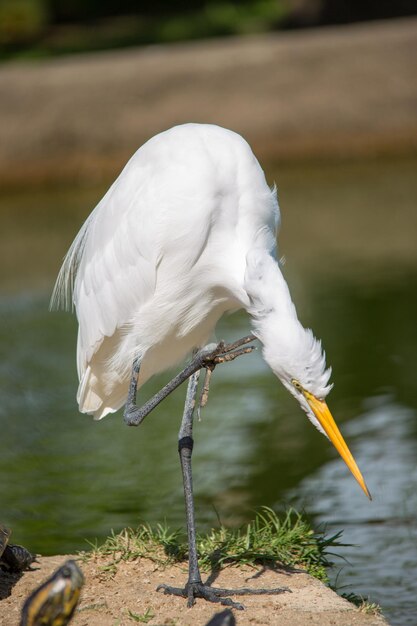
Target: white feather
x=186, y=233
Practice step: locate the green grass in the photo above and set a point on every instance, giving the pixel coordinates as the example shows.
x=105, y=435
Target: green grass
x=364, y=604
x=267, y=540
x=143, y=618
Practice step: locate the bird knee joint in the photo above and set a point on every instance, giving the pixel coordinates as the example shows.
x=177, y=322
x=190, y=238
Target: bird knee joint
x=185, y=442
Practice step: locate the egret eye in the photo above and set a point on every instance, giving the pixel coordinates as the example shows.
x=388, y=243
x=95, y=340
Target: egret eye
x=297, y=385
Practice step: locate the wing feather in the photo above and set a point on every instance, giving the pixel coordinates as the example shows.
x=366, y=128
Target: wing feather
x=109, y=272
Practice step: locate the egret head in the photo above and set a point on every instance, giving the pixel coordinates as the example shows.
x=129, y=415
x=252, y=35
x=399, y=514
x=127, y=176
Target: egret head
x=298, y=360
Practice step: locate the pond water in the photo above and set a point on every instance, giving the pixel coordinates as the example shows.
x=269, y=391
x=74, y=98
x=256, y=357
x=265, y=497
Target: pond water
x=349, y=238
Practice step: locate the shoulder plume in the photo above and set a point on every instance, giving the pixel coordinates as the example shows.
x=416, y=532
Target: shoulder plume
x=62, y=295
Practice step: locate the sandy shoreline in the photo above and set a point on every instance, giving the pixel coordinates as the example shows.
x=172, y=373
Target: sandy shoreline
x=339, y=91
x=107, y=600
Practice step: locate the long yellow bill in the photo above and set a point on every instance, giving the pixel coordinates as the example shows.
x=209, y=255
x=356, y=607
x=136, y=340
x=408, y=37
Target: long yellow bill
x=322, y=412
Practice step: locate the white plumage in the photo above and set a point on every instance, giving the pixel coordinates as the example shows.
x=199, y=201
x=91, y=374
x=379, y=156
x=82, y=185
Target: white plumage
x=186, y=233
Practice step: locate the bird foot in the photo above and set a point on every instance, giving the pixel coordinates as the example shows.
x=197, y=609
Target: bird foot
x=214, y=354
x=191, y=591
x=223, y=353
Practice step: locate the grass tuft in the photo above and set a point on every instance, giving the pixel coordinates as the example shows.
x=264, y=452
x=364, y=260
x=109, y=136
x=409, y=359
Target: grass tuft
x=267, y=540
x=158, y=544
x=143, y=618
x=363, y=604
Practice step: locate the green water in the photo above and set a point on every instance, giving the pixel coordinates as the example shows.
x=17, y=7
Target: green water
x=350, y=240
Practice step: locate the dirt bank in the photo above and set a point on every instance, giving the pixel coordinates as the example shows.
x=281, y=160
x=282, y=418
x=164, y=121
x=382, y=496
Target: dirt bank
x=335, y=91
x=107, y=600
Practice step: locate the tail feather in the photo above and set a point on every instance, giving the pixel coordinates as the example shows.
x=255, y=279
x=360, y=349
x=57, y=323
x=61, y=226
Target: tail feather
x=94, y=399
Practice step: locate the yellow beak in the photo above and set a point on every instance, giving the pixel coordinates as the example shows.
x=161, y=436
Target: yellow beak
x=321, y=411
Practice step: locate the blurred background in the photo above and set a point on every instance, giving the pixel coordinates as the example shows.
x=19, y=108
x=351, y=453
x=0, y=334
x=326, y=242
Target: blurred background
x=33, y=28
x=325, y=92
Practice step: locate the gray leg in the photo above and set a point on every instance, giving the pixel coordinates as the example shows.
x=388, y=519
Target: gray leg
x=210, y=356
x=195, y=587
x=185, y=449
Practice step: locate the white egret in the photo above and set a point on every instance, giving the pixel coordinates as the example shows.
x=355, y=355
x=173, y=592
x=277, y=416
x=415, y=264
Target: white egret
x=186, y=233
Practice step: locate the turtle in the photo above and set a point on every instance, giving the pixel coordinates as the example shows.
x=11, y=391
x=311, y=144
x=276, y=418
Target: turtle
x=225, y=618
x=13, y=558
x=53, y=603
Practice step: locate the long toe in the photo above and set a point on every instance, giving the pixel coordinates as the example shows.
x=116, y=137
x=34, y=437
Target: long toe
x=212, y=594
x=196, y=590
x=217, y=595
x=172, y=591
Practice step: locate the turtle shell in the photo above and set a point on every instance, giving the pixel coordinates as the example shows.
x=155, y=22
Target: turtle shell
x=54, y=602
x=225, y=618
x=17, y=558
x=13, y=558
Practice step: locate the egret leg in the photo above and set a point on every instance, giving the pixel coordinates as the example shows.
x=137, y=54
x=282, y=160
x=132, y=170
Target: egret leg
x=195, y=588
x=185, y=450
x=208, y=357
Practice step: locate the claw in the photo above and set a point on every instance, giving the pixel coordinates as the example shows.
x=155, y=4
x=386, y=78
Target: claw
x=216, y=594
x=204, y=392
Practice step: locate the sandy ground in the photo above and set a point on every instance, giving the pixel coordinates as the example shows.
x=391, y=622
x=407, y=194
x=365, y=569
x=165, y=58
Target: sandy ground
x=334, y=91
x=106, y=600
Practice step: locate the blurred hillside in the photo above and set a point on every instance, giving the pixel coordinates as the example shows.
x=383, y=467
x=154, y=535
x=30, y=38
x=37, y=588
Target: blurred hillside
x=36, y=28
x=329, y=92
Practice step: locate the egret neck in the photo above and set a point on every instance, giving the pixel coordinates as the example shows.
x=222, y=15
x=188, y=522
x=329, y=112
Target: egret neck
x=292, y=352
